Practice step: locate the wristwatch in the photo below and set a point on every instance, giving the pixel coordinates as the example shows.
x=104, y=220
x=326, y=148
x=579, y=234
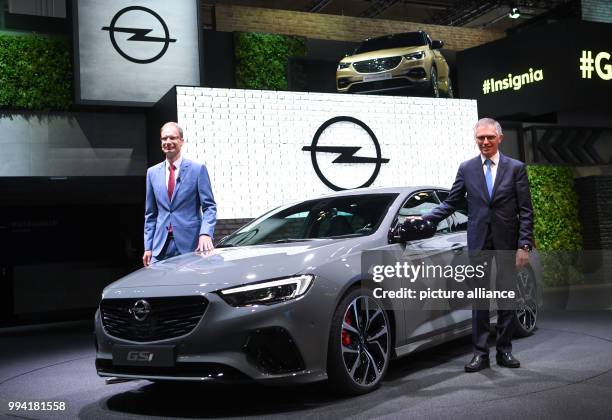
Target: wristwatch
x=527, y=247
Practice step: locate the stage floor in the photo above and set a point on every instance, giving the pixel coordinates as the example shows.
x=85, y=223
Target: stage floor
x=566, y=373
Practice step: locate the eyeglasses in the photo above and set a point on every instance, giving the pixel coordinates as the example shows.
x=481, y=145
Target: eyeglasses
x=171, y=138
x=483, y=138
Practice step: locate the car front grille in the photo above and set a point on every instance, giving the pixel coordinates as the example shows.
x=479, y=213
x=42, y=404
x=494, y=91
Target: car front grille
x=167, y=317
x=377, y=65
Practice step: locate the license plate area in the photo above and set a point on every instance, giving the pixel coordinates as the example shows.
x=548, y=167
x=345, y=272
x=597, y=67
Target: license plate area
x=159, y=356
x=375, y=77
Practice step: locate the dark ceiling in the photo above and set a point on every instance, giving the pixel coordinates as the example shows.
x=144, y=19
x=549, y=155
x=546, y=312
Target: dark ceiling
x=469, y=13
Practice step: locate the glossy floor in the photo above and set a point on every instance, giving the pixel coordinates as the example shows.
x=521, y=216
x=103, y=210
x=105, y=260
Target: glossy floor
x=566, y=373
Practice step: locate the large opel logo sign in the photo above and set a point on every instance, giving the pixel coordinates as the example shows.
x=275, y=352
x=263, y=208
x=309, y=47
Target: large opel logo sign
x=360, y=134
x=141, y=310
x=139, y=35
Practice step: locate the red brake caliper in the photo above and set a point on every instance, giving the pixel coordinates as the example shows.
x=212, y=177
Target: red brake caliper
x=346, y=338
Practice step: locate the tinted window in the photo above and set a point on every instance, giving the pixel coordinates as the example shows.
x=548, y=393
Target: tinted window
x=420, y=204
x=356, y=215
x=458, y=220
x=410, y=39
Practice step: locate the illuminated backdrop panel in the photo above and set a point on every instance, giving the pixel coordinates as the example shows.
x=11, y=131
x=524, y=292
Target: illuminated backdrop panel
x=259, y=149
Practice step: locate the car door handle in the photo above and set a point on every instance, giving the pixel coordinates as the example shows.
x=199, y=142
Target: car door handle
x=457, y=249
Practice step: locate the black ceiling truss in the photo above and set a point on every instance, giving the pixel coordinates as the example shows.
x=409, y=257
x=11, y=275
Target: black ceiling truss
x=316, y=6
x=377, y=7
x=464, y=11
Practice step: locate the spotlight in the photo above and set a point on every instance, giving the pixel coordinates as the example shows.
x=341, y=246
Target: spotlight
x=515, y=13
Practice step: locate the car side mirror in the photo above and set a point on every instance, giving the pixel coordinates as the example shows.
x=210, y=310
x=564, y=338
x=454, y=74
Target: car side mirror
x=411, y=230
x=436, y=45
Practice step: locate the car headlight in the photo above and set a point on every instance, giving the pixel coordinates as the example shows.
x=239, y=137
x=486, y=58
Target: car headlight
x=415, y=55
x=343, y=66
x=268, y=292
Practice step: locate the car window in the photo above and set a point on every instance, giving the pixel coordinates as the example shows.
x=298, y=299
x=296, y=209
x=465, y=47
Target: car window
x=458, y=220
x=420, y=204
x=351, y=215
x=409, y=39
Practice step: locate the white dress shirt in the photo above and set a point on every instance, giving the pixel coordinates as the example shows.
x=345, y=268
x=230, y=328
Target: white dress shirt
x=494, y=163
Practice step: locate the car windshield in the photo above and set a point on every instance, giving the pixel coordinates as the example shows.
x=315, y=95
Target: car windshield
x=331, y=217
x=410, y=39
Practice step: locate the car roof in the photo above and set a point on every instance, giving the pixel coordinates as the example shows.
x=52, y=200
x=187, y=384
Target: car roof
x=389, y=36
x=384, y=190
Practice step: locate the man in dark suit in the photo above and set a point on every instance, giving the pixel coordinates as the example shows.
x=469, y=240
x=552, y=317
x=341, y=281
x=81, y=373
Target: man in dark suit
x=180, y=210
x=500, y=218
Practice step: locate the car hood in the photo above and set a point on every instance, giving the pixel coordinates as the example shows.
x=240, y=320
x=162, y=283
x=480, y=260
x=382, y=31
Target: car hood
x=225, y=267
x=390, y=52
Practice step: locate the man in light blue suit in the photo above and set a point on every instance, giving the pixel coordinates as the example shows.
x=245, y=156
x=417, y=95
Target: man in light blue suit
x=180, y=210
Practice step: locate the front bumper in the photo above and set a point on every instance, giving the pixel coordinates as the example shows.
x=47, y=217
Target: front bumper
x=407, y=75
x=282, y=343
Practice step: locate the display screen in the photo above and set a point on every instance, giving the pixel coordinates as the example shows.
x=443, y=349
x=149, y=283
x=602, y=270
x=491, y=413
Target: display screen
x=566, y=65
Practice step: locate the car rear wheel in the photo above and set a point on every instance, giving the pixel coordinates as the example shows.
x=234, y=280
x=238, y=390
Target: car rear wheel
x=526, y=317
x=359, y=344
x=434, y=89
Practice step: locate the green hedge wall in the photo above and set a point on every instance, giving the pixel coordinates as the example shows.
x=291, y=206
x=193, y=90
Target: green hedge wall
x=557, y=228
x=262, y=59
x=35, y=73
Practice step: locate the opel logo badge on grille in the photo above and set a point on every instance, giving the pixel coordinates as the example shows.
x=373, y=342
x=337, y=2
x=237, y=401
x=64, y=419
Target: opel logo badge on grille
x=141, y=310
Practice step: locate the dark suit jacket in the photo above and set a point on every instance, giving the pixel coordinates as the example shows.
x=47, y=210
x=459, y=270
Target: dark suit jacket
x=509, y=214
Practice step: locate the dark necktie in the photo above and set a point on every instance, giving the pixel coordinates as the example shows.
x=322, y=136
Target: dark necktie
x=489, y=178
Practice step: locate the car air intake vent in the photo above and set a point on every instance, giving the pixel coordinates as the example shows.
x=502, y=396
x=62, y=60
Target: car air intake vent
x=151, y=319
x=376, y=65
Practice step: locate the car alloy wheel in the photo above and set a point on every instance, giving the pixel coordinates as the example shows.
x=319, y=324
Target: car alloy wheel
x=360, y=343
x=433, y=77
x=449, y=91
x=526, y=316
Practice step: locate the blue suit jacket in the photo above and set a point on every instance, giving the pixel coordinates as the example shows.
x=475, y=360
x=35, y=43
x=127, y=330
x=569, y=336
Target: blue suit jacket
x=509, y=213
x=192, y=211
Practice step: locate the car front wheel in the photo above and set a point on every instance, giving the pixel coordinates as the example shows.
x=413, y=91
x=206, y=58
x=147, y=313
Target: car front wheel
x=359, y=344
x=434, y=89
x=526, y=317
x=449, y=91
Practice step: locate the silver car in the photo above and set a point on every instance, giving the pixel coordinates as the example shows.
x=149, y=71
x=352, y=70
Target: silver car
x=285, y=299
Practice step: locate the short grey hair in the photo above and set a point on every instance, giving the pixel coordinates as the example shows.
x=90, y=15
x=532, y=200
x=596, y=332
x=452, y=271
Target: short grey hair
x=172, y=123
x=486, y=122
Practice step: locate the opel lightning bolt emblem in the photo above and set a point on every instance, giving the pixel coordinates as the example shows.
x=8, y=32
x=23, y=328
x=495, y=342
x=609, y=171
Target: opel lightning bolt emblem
x=139, y=34
x=347, y=153
x=141, y=310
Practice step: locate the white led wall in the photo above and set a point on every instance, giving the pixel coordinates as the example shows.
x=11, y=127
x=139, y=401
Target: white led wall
x=252, y=143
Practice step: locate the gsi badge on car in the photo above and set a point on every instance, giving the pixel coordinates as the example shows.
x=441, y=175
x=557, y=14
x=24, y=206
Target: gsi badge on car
x=281, y=300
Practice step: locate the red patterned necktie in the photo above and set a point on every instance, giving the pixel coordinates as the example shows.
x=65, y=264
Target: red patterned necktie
x=171, y=182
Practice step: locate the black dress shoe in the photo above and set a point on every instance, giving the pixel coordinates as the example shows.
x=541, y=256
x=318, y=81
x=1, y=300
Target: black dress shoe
x=507, y=360
x=478, y=362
